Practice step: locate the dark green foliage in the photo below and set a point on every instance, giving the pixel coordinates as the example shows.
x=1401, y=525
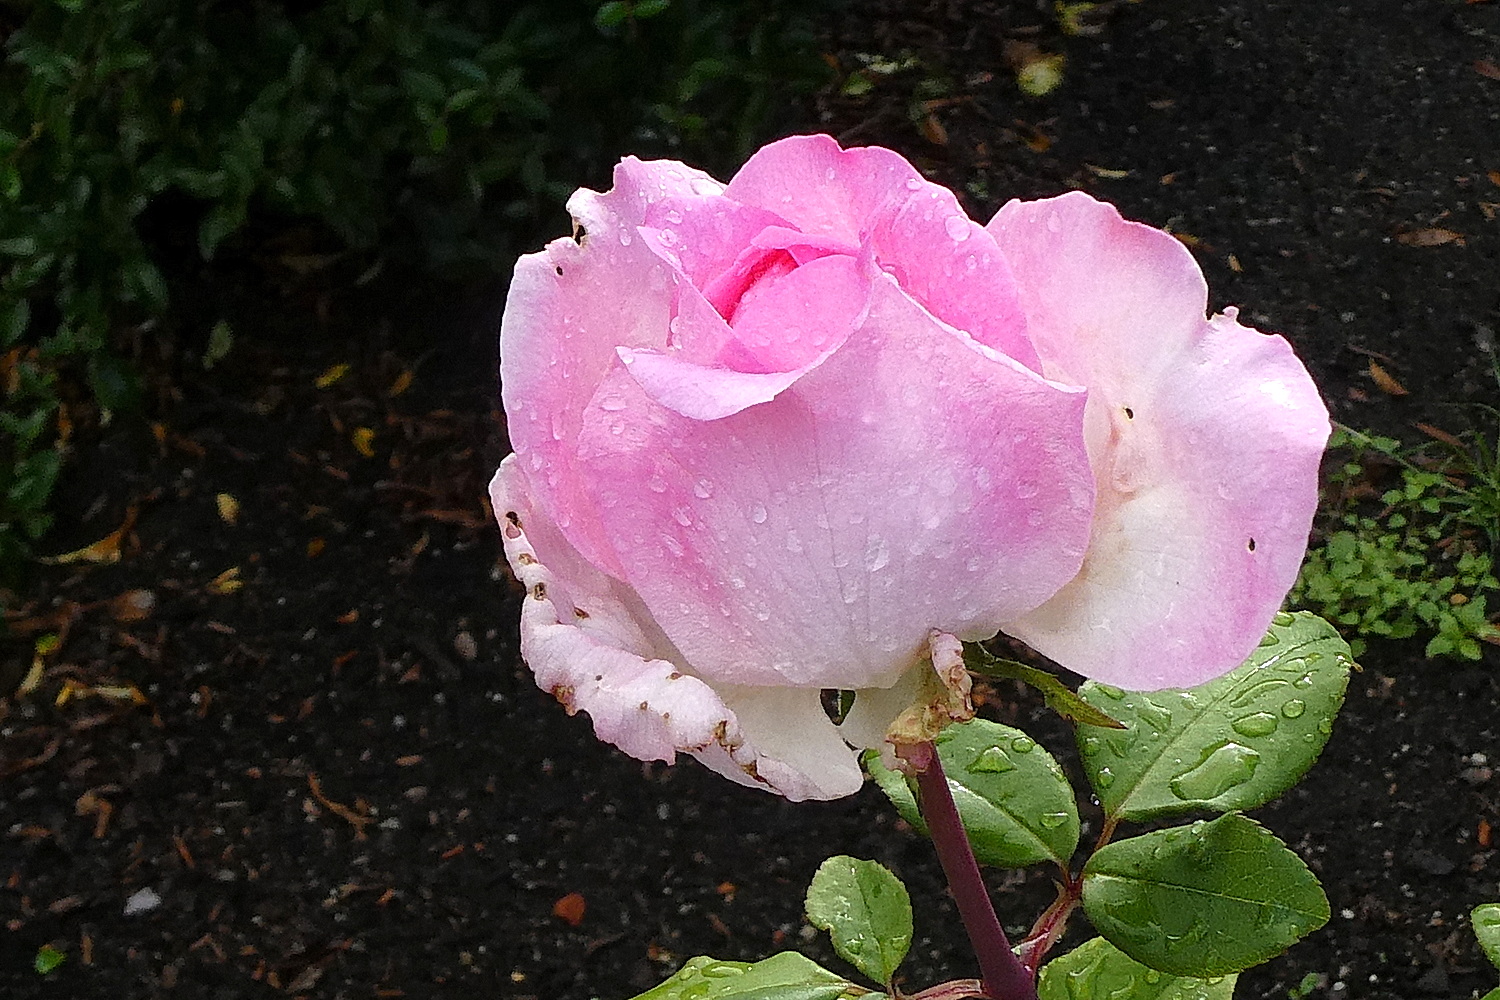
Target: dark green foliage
x=443, y=132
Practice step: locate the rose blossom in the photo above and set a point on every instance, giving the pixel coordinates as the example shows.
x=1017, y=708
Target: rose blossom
x=805, y=431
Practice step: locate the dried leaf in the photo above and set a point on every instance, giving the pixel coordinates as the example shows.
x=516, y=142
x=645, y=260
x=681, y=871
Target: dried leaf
x=315, y=547
x=1494, y=176
x=934, y=131
x=105, y=550
x=1486, y=68
x=133, y=605
x=570, y=909
x=1386, y=382
x=1440, y=435
x=1431, y=237
x=229, y=508
x=1107, y=173
x=332, y=375
x=364, y=441
x=402, y=383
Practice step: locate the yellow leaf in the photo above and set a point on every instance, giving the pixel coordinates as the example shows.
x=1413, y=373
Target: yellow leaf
x=332, y=375
x=226, y=582
x=105, y=550
x=364, y=441
x=229, y=508
x=402, y=383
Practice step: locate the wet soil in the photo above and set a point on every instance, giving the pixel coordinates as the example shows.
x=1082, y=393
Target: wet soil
x=285, y=745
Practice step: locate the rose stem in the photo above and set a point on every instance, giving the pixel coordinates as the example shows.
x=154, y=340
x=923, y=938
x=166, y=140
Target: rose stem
x=1004, y=977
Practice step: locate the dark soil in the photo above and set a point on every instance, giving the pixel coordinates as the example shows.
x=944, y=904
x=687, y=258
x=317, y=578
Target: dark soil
x=329, y=775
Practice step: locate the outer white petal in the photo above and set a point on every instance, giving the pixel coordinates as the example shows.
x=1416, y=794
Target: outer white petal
x=592, y=645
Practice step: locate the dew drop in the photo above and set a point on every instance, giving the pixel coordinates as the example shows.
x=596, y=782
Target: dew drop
x=957, y=227
x=671, y=544
x=703, y=489
x=1023, y=744
x=758, y=514
x=682, y=517
x=1154, y=715
x=912, y=184
x=991, y=760
x=1256, y=724
x=1269, y=639
x=625, y=238
x=612, y=403
x=1053, y=820
x=793, y=542
x=1054, y=223
x=1111, y=692
x=674, y=216
x=656, y=484
x=1294, y=708
x=1104, y=778
x=1226, y=767
x=1284, y=619
x=1091, y=746
x=877, y=555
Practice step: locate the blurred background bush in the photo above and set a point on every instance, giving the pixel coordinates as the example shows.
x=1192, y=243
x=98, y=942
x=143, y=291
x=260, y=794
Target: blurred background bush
x=434, y=134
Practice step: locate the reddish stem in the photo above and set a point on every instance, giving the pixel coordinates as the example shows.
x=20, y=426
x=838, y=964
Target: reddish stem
x=1004, y=977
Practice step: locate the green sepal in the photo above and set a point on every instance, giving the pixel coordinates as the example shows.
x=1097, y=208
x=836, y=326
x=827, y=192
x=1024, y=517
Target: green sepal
x=1486, y=922
x=865, y=910
x=1014, y=801
x=786, y=976
x=1236, y=742
x=1097, y=970
x=1203, y=900
x=1064, y=702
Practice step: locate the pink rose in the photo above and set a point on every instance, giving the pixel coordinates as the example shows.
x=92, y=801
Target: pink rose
x=800, y=432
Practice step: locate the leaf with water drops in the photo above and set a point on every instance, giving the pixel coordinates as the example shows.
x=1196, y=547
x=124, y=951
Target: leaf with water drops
x=1486, y=921
x=787, y=976
x=1236, y=742
x=867, y=912
x=1097, y=970
x=1208, y=899
x=1013, y=800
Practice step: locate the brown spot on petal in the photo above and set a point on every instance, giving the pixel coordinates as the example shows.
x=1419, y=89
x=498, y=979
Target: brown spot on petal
x=644, y=706
x=564, y=694
x=675, y=676
x=539, y=591
x=580, y=613
x=525, y=558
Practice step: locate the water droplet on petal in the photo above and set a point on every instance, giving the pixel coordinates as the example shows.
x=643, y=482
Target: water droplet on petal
x=758, y=514
x=656, y=484
x=625, y=238
x=682, y=517
x=1054, y=223
x=957, y=227
x=877, y=555
x=703, y=489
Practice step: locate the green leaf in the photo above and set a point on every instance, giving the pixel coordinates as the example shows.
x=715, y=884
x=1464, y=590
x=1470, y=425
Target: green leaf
x=1486, y=921
x=787, y=976
x=1208, y=899
x=221, y=221
x=867, y=912
x=47, y=959
x=611, y=14
x=1234, y=743
x=13, y=322
x=1062, y=701
x=1097, y=970
x=1493, y=994
x=18, y=246
x=1014, y=801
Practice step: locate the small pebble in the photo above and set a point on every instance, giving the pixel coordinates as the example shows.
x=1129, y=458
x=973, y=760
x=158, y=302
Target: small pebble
x=141, y=901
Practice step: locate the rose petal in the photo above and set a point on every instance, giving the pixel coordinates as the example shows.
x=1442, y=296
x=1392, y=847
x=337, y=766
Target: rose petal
x=1205, y=436
x=605, y=656
x=699, y=391
x=815, y=539
x=819, y=188
x=812, y=760
x=951, y=265
x=569, y=307
x=702, y=236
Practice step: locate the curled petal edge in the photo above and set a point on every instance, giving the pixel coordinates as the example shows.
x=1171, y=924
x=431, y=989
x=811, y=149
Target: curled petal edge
x=645, y=705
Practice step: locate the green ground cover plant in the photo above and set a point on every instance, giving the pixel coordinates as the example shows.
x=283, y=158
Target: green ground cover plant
x=1409, y=540
x=407, y=130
